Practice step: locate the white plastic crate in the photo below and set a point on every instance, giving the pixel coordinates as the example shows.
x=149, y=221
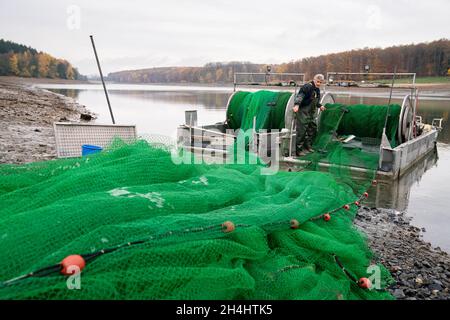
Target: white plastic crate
x=71, y=136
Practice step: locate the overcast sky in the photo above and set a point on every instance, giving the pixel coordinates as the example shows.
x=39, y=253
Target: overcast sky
x=149, y=33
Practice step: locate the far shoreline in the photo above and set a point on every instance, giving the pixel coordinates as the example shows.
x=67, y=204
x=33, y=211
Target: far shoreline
x=425, y=87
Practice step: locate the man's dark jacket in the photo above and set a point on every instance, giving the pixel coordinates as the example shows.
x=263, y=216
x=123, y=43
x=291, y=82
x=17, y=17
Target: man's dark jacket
x=306, y=95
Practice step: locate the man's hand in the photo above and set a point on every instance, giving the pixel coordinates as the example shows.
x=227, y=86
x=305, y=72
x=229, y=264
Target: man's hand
x=322, y=108
x=295, y=108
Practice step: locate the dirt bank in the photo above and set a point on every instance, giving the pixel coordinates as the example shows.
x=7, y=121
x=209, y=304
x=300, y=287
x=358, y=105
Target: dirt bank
x=31, y=81
x=26, y=121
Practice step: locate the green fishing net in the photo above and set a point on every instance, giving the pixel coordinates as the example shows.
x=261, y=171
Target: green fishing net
x=268, y=107
x=363, y=121
x=152, y=229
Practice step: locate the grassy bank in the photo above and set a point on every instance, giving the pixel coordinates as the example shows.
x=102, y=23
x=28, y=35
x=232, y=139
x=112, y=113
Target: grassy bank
x=420, y=80
x=430, y=80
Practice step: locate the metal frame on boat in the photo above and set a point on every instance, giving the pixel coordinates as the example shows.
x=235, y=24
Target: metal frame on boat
x=416, y=138
x=278, y=79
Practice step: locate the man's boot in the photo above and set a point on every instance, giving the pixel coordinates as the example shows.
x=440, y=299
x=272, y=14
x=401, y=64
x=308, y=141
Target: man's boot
x=309, y=149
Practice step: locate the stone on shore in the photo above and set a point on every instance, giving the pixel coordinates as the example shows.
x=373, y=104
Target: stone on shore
x=420, y=271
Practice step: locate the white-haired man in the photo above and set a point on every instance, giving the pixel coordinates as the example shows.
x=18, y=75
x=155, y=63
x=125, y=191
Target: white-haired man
x=306, y=103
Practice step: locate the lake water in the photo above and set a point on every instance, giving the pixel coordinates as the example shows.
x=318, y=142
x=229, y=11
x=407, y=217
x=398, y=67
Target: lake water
x=159, y=109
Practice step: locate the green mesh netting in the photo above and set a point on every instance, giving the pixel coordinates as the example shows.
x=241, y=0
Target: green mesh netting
x=151, y=229
x=267, y=106
x=366, y=122
x=363, y=121
x=235, y=109
x=132, y=192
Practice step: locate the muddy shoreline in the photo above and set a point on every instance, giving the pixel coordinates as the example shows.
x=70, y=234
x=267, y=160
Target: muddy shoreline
x=26, y=121
x=26, y=135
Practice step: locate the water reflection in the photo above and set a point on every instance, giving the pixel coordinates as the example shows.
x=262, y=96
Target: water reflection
x=396, y=194
x=206, y=100
x=72, y=93
x=153, y=111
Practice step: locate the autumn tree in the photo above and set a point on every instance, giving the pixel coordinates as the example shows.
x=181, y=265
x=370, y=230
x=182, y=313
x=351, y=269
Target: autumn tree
x=20, y=60
x=13, y=64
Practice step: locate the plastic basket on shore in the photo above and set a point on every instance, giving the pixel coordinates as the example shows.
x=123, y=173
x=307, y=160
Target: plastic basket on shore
x=87, y=149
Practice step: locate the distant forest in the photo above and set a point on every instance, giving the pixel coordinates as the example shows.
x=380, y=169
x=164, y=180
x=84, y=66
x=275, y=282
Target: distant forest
x=23, y=61
x=430, y=59
x=214, y=72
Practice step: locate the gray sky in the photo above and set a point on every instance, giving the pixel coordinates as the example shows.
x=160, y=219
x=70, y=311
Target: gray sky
x=148, y=33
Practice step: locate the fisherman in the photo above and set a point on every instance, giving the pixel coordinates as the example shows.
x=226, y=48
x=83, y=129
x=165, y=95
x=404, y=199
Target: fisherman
x=306, y=102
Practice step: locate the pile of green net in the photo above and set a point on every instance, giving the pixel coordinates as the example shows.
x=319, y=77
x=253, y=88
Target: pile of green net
x=132, y=192
x=366, y=123
x=165, y=224
x=267, y=106
x=361, y=120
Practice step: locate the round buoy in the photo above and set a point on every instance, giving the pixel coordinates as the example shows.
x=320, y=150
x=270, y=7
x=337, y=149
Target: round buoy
x=326, y=217
x=295, y=224
x=374, y=182
x=346, y=207
x=365, y=194
x=357, y=203
x=228, y=226
x=72, y=260
x=364, y=283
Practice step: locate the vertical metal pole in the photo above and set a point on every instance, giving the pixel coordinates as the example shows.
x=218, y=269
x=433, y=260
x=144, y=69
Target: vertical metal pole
x=191, y=141
x=416, y=102
x=392, y=85
x=103, y=81
x=383, y=136
x=292, y=134
x=255, y=137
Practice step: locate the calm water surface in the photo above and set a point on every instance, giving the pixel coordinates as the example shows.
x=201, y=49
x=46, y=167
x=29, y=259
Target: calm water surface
x=424, y=192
